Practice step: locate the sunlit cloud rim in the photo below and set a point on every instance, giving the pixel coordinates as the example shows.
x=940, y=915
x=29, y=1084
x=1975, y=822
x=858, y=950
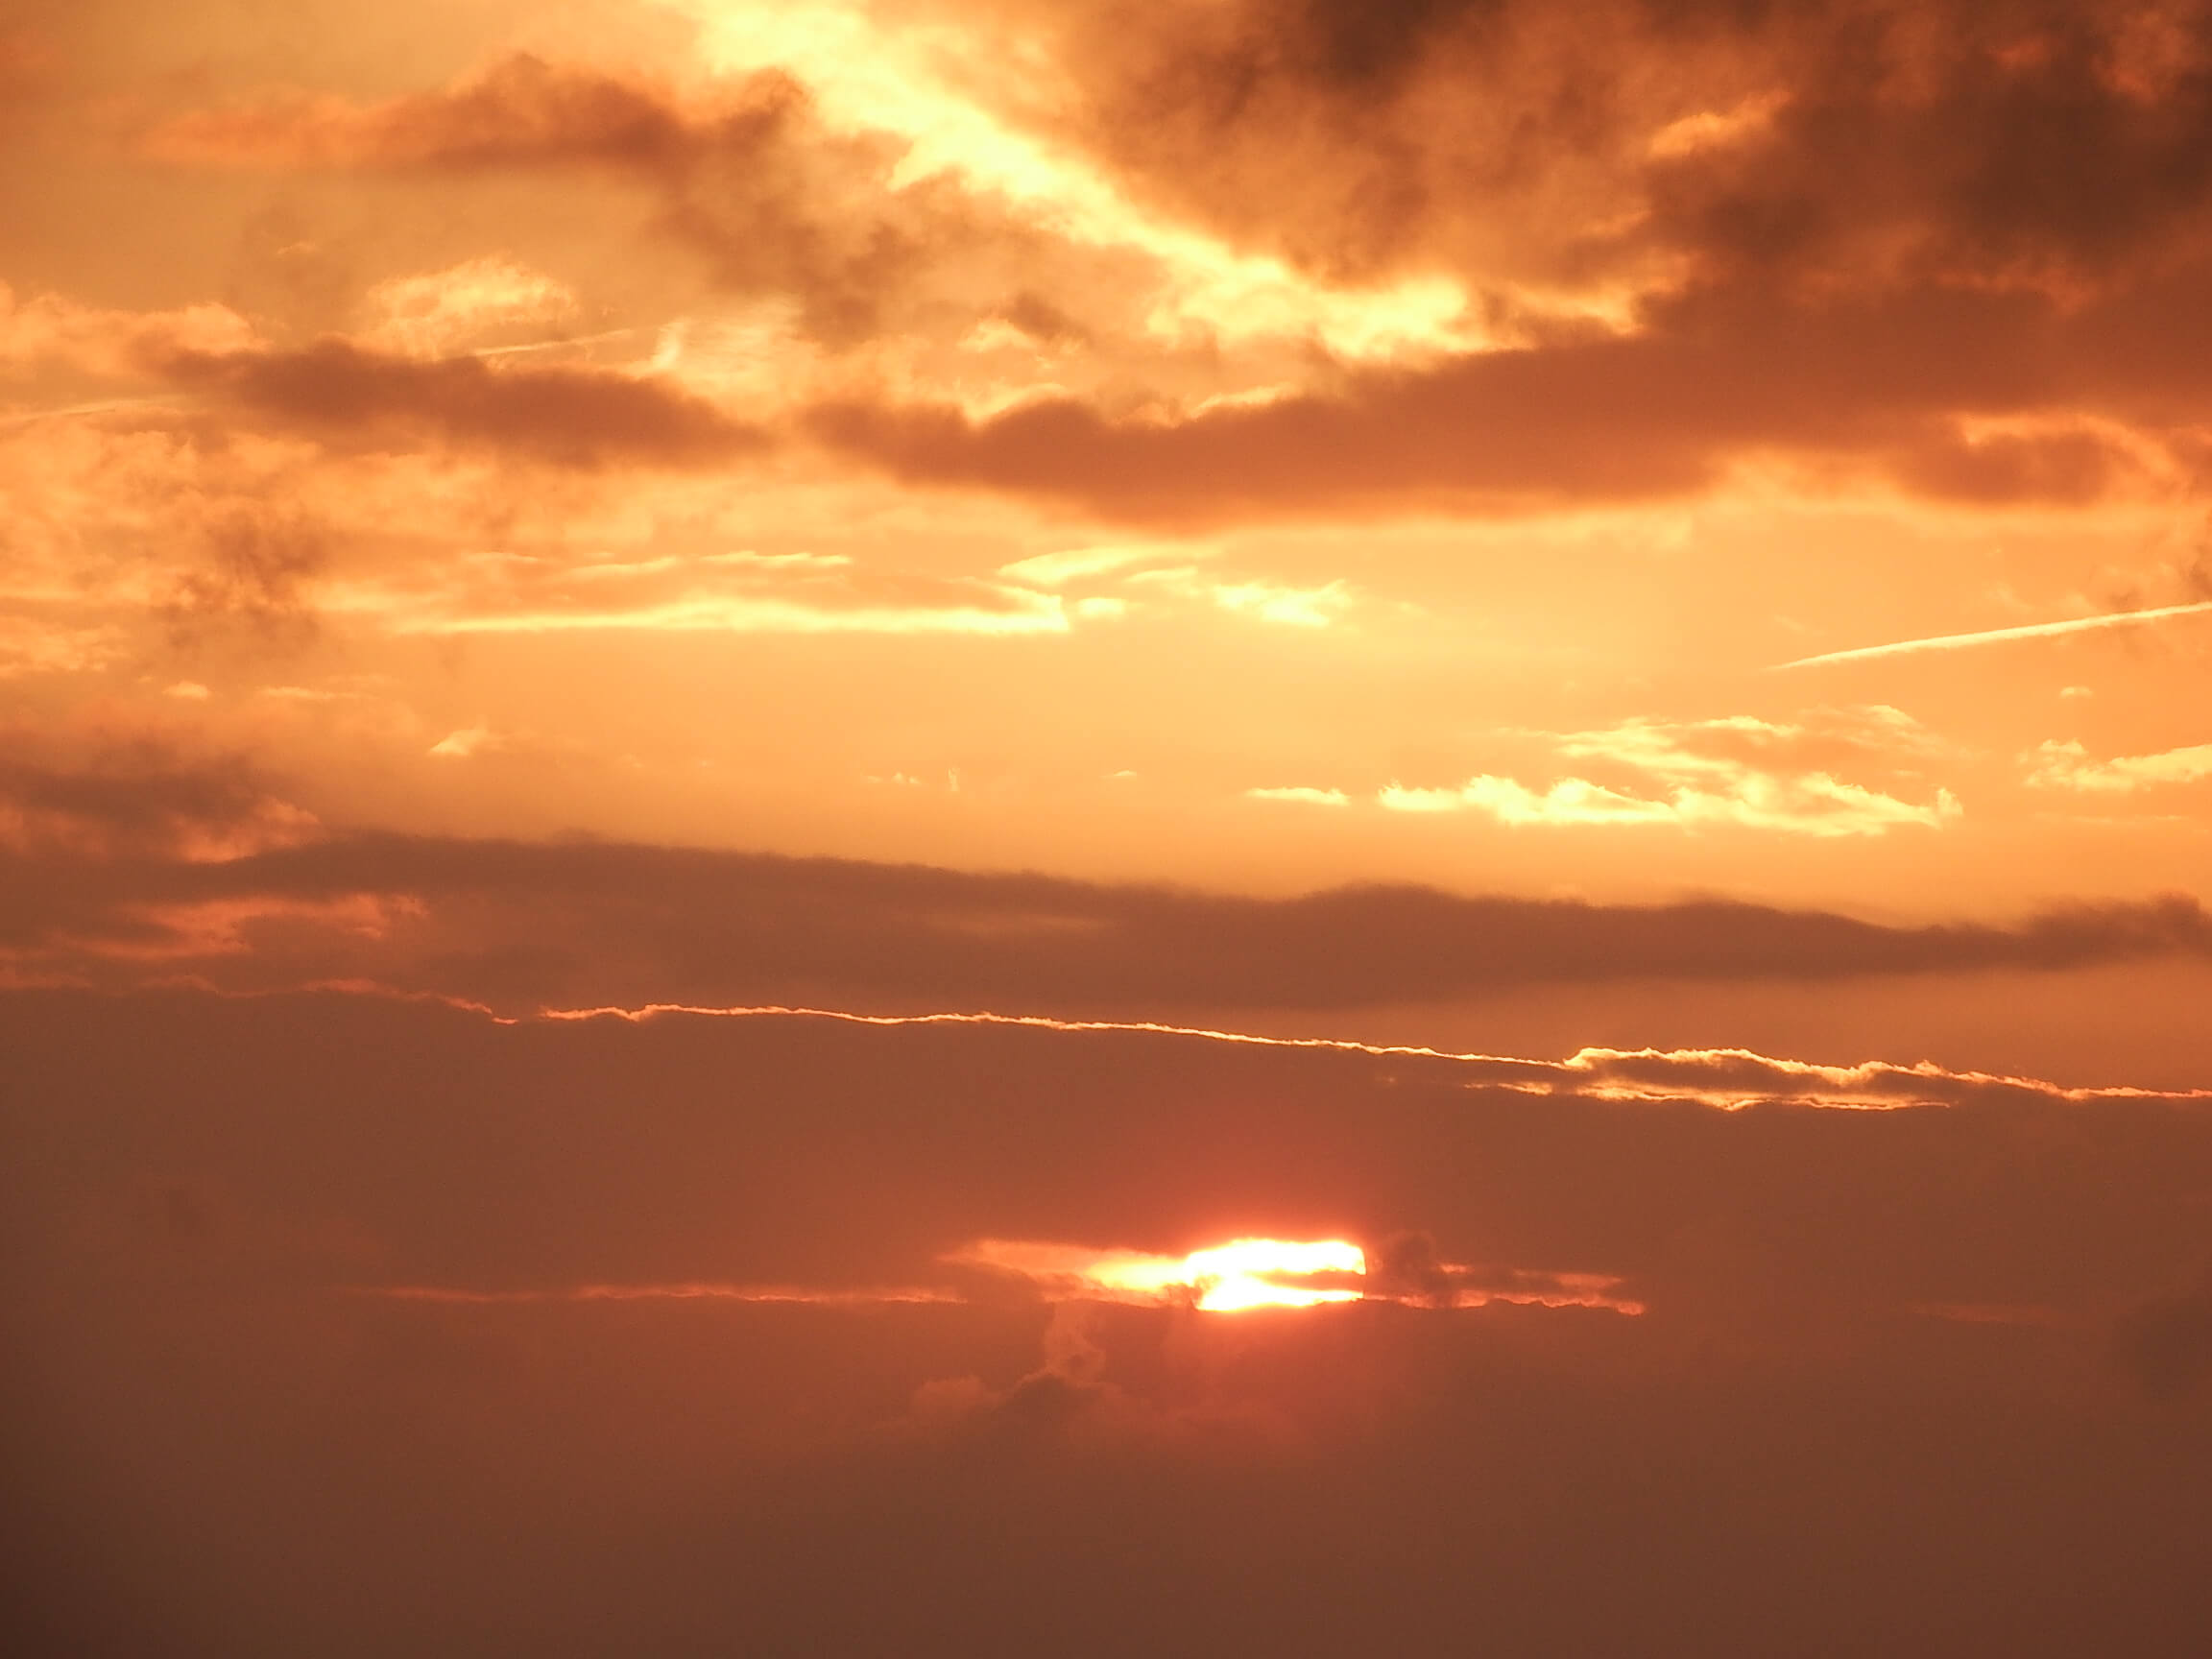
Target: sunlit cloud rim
x=1725, y=1079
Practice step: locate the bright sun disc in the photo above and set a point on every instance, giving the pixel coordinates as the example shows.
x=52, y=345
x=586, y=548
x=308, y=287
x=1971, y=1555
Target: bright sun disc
x=1226, y=1278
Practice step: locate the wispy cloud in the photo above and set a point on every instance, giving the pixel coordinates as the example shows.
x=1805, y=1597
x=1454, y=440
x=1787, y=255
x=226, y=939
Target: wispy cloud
x=743, y=592
x=2001, y=636
x=1302, y=795
x=1726, y=1079
x=1813, y=804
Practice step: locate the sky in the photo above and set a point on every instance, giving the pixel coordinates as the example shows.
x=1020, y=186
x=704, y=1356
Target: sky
x=920, y=826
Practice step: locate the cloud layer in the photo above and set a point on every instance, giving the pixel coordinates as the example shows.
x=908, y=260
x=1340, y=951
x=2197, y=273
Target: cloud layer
x=1907, y=1311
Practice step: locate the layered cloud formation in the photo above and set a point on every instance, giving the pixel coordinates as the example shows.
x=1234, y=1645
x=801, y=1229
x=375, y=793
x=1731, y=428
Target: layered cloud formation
x=842, y=827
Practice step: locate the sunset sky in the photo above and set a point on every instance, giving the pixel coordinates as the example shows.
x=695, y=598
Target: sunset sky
x=731, y=730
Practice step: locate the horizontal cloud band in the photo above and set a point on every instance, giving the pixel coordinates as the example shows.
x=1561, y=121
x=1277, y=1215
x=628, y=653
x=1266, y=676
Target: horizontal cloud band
x=521, y=925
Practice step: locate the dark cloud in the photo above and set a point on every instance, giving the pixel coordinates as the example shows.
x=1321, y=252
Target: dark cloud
x=212, y=1447
x=1855, y=230
x=521, y=925
x=1880, y=385
x=96, y=797
x=561, y=415
x=256, y=557
x=521, y=112
x=1849, y=140
x=742, y=173
x=2166, y=1342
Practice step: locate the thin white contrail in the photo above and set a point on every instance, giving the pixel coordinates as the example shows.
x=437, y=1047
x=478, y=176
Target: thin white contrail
x=1998, y=636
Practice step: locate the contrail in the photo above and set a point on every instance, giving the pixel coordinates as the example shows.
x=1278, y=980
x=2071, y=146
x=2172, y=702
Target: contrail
x=1997, y=636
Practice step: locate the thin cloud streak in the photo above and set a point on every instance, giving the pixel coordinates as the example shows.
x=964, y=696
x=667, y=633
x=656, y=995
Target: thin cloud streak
x=1726, y=1079
x=704, y=1291
x=2000, y=636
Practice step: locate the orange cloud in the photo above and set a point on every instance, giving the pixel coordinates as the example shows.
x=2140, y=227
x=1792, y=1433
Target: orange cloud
x=51, y=329
x=521, y=112
x=2066, y=765
x=1739, y=771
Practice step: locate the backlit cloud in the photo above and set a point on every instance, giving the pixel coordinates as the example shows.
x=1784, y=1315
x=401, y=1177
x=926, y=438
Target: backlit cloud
x=1743, y=772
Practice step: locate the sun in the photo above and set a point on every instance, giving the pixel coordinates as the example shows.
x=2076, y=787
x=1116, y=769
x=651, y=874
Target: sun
x=1244, y=1273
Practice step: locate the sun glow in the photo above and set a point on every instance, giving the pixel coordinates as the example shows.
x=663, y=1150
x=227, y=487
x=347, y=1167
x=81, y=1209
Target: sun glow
x=1226, y=1278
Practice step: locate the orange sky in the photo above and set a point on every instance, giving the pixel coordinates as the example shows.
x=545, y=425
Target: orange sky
x=1256, y=452
x=1537, y=529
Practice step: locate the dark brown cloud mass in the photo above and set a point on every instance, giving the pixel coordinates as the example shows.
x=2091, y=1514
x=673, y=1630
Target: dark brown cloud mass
x=1887, y=386
x=521, y=925
x=566, y=416
x=1852, y=140
x=1910, y=1383
x=1850, y=234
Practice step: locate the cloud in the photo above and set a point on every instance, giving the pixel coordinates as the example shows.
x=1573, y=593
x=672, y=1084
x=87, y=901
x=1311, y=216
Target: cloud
x=2066, y=765
x=742, y=173
x=580, y=418
x=1705, y=386
x=1813, y=804
x=1732, y=1079
x=522, y=112
x=35, y=645
x=1080, y=564
x=437, y=312
x=101, y=796
x=198, y=1186
x=1655, y=271
x=1302, y=795
x=1915, y=306
x=2004, y=635
x=1848, y=139
x=256, y=559
x=715, y=592
x=1739, y=771
x=1725, y=1079
x=1264, y=601
x=49, y=329
x=2166, y=1342
x=519, y=925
